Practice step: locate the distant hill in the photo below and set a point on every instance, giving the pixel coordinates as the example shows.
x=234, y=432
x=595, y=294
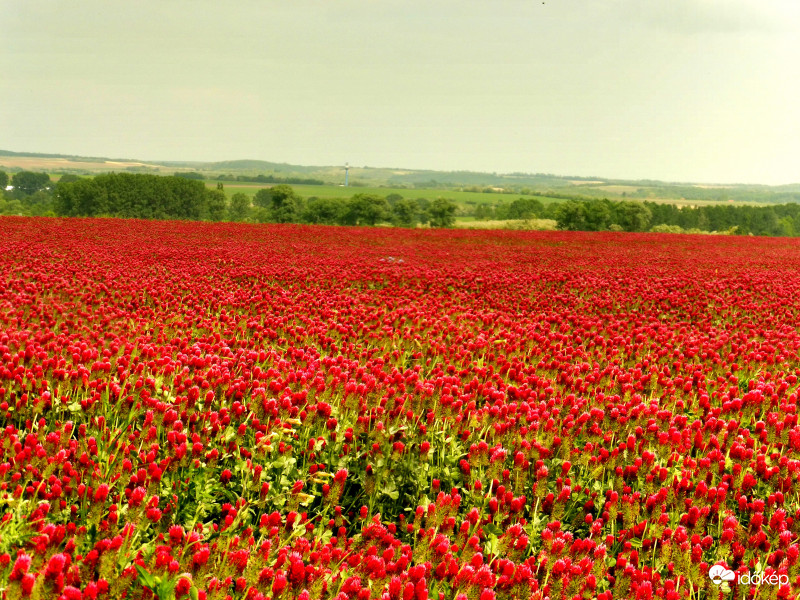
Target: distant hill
x=256, y=165
x=65, y=156
x=330, y=174
x=523, y=183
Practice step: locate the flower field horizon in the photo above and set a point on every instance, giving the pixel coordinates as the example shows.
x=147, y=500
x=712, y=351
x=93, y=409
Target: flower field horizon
x=284, y=412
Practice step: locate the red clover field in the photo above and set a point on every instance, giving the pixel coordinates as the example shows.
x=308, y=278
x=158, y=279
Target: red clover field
x=281, y=412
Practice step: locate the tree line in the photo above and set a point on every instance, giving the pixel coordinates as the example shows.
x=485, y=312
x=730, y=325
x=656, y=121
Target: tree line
x=253, y=178
x=281, y=204
x=521, y=208
x=31, y=193
x=778, y=220
x=603, y=215
x=145, y=196
x=149, y=196
x=137, y=195
x=274, y=179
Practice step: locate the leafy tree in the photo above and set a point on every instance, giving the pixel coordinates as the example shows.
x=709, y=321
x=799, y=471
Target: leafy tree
x=190, y=175
x=502, y=211
x=483, y=212
x=787, y=226
x=765, y=222
x=133, y=195
x=424, y=210
x=3, y=180
x=442, y=212
x=633, y=216
x=325, y=211
x=393, y=199
x=663, y=214
x=597, y=215
x=283, y=205
x=525, y=208
x=405, y=212
x=703, y=222
x=550, y=210
x=263, y=198
x=68, y=178
x=39, y=199
x=260, y=214
x=570, y=216
x=217, y=204
x=84, y=198
x=240, y=207
x=367, y=209
x=28, y=182
x=11, y=207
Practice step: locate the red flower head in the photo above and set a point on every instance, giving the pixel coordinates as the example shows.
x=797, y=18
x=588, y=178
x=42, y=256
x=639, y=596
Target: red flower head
x=101, y=493
x=279, y=584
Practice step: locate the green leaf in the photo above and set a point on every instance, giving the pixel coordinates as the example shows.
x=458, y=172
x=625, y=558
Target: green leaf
x=146, y=579
x=390, y=489
x=166, y=589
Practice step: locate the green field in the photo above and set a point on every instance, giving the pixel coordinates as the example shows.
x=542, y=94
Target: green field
x=418, y=183
x=463, y=199
x=513, y=224
x=335, y=191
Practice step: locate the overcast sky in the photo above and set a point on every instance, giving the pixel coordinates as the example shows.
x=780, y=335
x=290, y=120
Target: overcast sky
x=680, y=90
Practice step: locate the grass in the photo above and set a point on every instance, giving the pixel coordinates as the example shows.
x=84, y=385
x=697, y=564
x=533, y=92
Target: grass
x=85, y=165
x=463, y=199
x=517, y=224
x=335, y=191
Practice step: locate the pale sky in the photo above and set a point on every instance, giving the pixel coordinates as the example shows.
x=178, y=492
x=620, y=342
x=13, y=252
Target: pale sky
x=678, y=90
